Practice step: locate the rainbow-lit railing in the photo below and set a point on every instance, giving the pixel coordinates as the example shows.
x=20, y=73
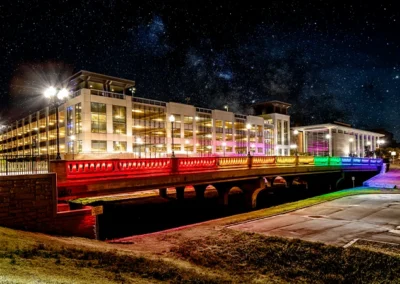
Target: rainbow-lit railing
x=78, y=169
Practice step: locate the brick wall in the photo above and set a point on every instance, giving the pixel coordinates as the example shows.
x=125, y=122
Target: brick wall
x=29, y=202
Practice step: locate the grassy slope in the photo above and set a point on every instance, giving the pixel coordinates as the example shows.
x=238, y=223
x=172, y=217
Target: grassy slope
x=201, y=254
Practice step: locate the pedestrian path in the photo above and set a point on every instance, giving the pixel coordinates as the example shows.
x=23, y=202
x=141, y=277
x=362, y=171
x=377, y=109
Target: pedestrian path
x=390, y=179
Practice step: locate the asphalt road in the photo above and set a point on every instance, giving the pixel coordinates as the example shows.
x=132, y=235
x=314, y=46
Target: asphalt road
x=374, y=217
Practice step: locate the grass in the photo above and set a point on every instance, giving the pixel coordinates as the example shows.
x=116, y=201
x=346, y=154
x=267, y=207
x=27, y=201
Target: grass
x=250, y=256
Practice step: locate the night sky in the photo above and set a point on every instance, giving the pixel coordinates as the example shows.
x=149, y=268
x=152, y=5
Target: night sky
x=332, y=61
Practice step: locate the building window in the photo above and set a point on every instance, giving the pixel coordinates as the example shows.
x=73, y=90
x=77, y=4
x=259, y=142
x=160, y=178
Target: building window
x=119, y=146
x=99, y=146
x=78, y=118
x=119, y=119
x=285, y=133
x=188, y=126
x=148, y=129
x=79, y=146
x=98, y=117
x=279, y=132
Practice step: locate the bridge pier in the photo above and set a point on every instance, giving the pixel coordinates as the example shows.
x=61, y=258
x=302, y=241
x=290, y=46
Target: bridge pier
x=163, y=192
x=289, y=181
x=180, y=193
x=223, y=193
x=251, y=189
x=200, y=189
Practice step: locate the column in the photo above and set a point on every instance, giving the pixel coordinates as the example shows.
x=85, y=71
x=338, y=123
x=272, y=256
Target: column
x=129, y=123
x=330, y=142
x=362, y=145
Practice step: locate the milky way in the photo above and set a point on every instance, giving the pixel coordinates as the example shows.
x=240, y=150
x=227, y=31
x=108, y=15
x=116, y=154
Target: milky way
x=331, y=61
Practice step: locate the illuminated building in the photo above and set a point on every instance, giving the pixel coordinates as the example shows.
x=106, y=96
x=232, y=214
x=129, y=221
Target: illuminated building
x=102, y=118
x=336, y=139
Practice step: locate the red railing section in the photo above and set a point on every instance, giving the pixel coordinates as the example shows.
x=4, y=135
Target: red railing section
x=79, y=169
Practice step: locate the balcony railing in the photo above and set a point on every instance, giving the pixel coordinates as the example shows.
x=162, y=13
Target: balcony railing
x=107, y=94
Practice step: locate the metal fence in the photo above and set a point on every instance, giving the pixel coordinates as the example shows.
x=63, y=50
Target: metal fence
x=21, y=165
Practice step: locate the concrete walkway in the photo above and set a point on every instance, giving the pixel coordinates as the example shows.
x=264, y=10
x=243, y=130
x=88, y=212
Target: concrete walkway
x=374, y=217
x=390, y=179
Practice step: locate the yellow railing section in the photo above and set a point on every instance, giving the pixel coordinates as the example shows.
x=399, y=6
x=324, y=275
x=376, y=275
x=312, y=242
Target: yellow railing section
x=233, y=162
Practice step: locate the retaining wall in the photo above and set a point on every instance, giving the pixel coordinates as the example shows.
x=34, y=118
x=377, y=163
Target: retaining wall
x=29, y=202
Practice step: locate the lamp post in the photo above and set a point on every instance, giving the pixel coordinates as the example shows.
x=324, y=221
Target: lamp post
x=226, y=107
x=351, y=146
x=223, y=147
x=187, y=148
x=172, y=120
x=248, y=127
x=56, y=97
x=72, y=138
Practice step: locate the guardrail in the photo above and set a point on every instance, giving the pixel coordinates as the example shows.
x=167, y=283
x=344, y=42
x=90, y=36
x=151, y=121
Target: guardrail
x=79, y=169
x=23, y=165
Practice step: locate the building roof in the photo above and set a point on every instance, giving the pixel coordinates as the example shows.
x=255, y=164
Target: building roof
x=84, y=75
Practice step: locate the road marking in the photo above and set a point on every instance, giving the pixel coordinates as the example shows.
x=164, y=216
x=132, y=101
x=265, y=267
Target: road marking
x=350, y=243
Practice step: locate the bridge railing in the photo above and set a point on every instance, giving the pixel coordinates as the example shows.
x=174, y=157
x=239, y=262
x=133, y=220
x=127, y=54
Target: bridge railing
x=81, y=169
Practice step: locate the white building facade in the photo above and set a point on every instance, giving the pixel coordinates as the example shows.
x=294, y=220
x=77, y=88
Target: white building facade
x=335, y=139
x=103, y=116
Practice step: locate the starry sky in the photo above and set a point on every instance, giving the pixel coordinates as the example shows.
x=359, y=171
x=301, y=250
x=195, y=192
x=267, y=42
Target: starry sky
x=332, y=61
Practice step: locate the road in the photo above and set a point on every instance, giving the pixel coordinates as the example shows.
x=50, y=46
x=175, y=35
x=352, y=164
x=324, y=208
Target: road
x=374, y=217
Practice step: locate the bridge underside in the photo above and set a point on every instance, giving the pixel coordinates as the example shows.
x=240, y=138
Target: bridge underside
x=250, y=181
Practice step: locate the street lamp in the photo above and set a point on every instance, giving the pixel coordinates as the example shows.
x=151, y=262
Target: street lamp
x=187, y=148
x=72, y=138
x=226, y=107
x=393, y=153
x=56, y=97
x=223, y=147
x=172, y=120
x=248, y=127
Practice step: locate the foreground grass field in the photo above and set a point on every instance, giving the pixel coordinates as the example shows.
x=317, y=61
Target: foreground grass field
x=206, y=253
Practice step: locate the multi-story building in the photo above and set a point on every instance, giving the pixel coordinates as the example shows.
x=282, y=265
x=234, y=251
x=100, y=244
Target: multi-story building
x=102, y=115
x=335, y=139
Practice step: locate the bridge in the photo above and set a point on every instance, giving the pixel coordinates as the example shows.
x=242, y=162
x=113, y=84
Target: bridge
x=252, y=174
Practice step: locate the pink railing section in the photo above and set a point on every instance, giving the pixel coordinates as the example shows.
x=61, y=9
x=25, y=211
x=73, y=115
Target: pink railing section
x=195, y=164
x=99, y=168
x=129, y=167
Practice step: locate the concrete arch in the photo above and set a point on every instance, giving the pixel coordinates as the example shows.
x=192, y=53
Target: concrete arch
x=211, y=192
x=255, y=195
